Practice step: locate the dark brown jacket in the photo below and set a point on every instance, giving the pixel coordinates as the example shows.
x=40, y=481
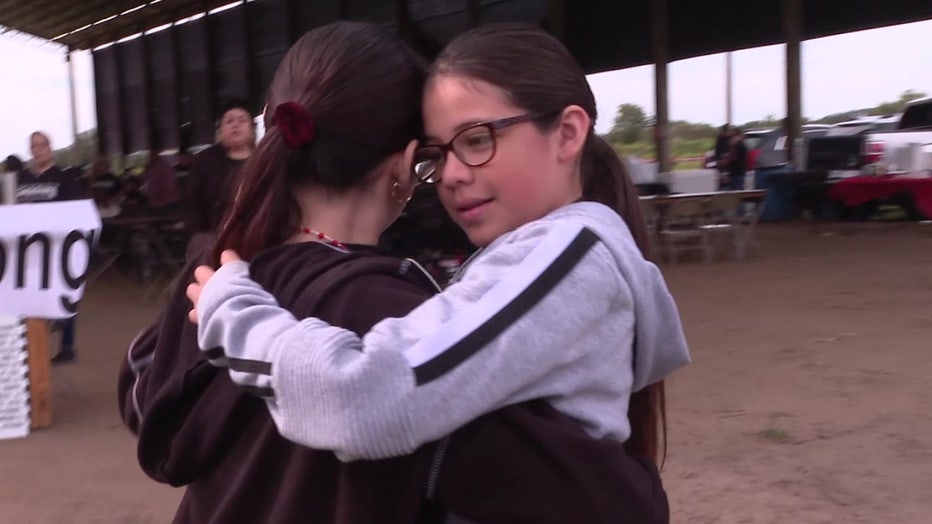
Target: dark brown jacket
x=524, y=463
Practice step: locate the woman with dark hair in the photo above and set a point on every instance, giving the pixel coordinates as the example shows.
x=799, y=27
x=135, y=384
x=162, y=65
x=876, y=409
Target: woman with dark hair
x=560, y=304
x=329, y=176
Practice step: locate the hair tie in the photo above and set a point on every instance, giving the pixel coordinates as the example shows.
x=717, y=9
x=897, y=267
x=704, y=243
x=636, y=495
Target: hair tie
x=295, y=123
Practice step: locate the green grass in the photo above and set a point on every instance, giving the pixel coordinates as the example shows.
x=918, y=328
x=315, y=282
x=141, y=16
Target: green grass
x=775, y=434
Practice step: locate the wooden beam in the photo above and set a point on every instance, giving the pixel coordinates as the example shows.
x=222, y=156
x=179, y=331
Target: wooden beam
x=250, y=69
x=792, y=30
x=474, y=12
x=40, y=383
x=294, y=22
x=102, y=130
x=210, y=56
x=152, y=130
x=660, y=43
x=125, y=145
x=403, y=20
x=556, y=18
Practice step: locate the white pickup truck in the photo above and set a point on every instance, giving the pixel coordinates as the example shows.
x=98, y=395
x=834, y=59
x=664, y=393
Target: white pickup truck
x=908, y=149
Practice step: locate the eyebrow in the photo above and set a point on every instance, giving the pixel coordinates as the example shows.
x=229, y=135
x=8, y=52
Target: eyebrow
x=457, y=129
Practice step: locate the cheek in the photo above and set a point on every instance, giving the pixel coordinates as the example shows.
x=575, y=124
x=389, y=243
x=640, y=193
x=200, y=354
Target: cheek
x=446, y=196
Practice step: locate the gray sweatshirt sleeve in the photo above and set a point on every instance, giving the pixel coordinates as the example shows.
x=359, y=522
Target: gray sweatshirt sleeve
x=501, y=335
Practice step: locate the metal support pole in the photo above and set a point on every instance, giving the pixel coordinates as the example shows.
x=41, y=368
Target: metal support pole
x=660, y=29
x=556, y=18
x=729, y=116
x=474, y=13
x=792, y=28
x=403, y=19
x=72, y=92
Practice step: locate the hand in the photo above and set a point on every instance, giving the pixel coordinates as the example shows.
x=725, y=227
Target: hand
x=201, y=275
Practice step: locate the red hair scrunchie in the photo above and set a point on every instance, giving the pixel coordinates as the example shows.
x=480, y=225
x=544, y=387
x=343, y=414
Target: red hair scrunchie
x=295, y=123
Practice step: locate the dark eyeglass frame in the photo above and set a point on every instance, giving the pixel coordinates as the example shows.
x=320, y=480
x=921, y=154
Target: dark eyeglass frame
x=446, y=149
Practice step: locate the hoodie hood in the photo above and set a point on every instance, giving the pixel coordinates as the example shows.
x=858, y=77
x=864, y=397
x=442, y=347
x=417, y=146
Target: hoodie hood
x=659, y=343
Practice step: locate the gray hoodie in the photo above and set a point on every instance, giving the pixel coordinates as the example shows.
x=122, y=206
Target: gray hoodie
x=563, y=308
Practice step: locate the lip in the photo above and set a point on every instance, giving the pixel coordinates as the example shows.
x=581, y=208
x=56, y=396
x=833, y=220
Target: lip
x=471, y=210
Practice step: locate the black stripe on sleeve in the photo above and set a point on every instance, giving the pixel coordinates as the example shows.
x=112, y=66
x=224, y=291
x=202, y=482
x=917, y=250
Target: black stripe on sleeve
x=259, y=391
x=255, y=367
x=214, y=353
x=514, y=310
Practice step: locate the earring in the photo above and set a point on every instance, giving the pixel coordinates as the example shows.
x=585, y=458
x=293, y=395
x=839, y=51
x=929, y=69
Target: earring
x=396, y=188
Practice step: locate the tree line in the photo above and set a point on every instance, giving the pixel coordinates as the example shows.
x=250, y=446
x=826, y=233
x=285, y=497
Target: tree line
x=632, y=129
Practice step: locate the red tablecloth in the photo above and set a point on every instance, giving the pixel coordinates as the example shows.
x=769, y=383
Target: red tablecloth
x=860, y=190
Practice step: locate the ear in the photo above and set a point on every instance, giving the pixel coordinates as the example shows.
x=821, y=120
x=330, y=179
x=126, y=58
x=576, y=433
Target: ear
x=572, y=130
x=407, y=165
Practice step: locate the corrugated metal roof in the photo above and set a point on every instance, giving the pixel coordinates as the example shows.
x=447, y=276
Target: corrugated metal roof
x=83, y=24
x=602, y=34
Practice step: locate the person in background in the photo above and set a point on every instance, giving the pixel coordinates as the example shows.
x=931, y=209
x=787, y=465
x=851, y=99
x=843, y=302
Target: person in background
x=722, y=146
x=214, y=172
x=736, y=163
x=161, y=184
x=46, y=182
x=183, y=167
x=102, y=185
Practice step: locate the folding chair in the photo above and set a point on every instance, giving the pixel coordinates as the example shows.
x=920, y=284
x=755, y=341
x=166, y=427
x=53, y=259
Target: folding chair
x=652, y=221
x=748, y=218
x=681, y=229
x=721, y=220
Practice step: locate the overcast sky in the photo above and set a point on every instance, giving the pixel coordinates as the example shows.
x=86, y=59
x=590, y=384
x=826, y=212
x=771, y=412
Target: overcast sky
x=839, y=73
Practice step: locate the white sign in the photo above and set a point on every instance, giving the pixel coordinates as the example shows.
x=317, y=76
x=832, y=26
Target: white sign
x=44, y=257
x=14, y=383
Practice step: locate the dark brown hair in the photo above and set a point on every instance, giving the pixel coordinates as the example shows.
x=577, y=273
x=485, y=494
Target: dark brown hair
x=539, y=75
x=362, y=88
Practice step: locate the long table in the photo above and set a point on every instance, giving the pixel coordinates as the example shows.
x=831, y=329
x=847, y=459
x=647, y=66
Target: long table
x=746, y=195
x=656, y=206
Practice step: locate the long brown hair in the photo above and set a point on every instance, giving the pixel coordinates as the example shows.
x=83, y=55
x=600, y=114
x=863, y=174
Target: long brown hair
x=362, y=88
x=539, y=75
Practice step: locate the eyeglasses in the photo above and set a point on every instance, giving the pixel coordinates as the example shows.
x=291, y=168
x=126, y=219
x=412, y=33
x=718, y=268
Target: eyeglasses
x=473, y=146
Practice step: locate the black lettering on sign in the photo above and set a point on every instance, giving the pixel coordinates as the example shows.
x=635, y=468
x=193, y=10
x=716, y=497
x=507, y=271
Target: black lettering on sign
x=74, y=282
x=68, y=305
x=2, y=261
x=24, y=244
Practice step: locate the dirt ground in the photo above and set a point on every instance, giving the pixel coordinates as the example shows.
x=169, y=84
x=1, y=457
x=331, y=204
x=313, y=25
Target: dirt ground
x=807, y=401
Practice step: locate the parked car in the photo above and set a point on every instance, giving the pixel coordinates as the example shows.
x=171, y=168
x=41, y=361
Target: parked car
x=772, y=148
x=877, y=150
x=864, y=124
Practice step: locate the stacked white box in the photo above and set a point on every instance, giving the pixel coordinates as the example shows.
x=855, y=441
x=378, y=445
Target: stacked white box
x=14, y=380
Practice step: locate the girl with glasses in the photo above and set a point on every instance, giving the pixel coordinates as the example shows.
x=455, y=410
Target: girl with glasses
x=560, y=303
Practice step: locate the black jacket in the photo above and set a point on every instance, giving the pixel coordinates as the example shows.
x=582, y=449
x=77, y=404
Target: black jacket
x=523, y=463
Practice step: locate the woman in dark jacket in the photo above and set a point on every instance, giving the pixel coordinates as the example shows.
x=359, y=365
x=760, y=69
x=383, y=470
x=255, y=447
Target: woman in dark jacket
x=330, y=175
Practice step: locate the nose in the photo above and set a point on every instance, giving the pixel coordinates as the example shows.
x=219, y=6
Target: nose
x=455, y=172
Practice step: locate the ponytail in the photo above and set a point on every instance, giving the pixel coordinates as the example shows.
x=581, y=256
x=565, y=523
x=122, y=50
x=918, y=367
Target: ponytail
x=605, y=180
x=264, y=212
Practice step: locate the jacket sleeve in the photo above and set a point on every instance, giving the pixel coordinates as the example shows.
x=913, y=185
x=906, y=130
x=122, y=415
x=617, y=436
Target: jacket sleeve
x=503, y=334
x=185, y=412
x=181, y=409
